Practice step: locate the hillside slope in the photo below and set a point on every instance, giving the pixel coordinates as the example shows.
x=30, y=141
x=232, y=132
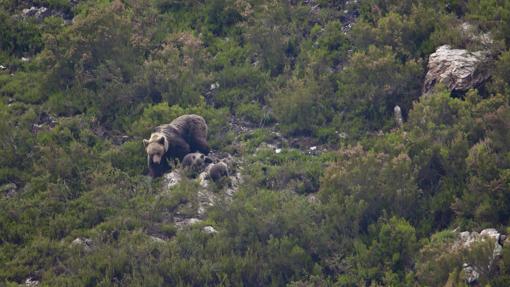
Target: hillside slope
x=368, y=142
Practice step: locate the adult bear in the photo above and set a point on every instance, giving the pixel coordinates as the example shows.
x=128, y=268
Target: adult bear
x=185, y=134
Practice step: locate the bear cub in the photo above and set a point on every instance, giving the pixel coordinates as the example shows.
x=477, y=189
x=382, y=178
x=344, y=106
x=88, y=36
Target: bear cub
x=194, y=163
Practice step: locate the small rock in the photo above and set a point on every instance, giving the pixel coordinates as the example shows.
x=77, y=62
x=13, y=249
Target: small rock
x=2, y=67
x=31, y=282
x=9, y=189
x=181, y=223
x=312, y=148
x=214, y=86
x=202, y=179
x=25, y=59
x=312, y=198
x=157, y=239
x=471, y=275
x=172, y=179
x=86, y=243
x=39, y=13
x=209, y=229
x=398, y=116
x=278, y=150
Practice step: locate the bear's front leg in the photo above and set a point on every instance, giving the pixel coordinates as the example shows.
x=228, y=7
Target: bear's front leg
x=157, y=170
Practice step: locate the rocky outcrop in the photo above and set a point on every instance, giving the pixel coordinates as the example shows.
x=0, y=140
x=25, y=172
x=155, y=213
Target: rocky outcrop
x=466, y=240
x=459, y=70
x=39, y=13
x=85, y=243
x=209, y=192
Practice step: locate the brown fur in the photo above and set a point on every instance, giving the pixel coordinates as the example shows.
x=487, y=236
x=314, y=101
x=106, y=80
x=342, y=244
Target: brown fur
x=194, y=163
x=217, y=171
x=185, y=134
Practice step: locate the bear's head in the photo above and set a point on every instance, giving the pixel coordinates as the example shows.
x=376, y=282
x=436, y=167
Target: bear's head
x=156, y=147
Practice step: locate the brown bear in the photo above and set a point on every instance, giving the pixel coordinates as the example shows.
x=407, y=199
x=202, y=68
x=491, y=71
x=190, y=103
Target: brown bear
x=217, y=171
x=194, y=163
x=185, y=134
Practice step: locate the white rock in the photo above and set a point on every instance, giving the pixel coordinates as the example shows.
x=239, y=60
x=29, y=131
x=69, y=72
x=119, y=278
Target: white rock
x=187, y=222
x=31, y=282
x=458, y=69
x=398, y=116
x=313, y=148
x=202, y=179
x=490, y=232
x=171, y=179
x=86, y=243
x=214, y=86
x=278, y=150
x=471, y=275
x=157, y=239
x=209, y=229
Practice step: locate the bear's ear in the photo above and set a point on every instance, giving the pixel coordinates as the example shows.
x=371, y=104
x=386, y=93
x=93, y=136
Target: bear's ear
x=162, y=140
x=208, y=160
x=145, y=142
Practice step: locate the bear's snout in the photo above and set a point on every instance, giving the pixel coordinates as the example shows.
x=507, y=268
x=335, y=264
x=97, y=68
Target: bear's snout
x=156, y=159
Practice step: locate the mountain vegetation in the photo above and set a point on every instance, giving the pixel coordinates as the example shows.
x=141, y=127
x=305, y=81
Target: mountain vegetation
x=349, y=197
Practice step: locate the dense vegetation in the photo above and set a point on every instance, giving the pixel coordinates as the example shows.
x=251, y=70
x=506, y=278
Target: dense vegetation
x=377, y=207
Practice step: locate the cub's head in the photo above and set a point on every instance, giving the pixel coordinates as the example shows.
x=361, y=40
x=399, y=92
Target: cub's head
x=156, y=147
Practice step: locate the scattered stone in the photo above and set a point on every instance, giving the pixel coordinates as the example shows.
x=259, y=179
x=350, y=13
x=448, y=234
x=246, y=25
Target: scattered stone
x=206, y=199
x=172, y=179
x=278, y=150
x=313, y=148
x=470, y=274
x=31, y=282
x=214, y=86
x=2, y=67
x=44, y=122
x=25, y=59
x=202, y=179
x=209, y=230
x=39, y=13
x=459, y=69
